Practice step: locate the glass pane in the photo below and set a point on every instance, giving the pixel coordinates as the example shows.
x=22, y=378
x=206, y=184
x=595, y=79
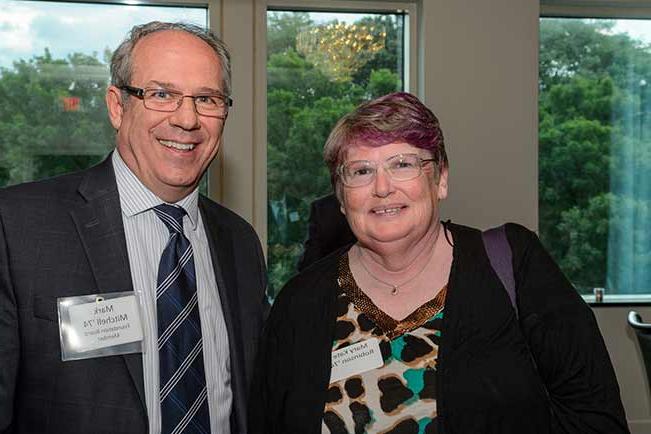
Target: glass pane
x=595, y=151
x=319, y=67
x=53, y=76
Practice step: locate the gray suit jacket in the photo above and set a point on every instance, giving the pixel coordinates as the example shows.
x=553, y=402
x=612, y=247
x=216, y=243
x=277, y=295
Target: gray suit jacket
x=64, y=237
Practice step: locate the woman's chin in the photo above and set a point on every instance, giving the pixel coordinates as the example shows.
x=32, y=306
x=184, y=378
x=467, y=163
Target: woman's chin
x=387, y=237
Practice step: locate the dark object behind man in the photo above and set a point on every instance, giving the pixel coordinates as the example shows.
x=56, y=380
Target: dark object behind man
x=96, y=232
x=328, y=231
x=410, y=329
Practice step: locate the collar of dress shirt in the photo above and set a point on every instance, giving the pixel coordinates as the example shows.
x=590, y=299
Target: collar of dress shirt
x=135, y=198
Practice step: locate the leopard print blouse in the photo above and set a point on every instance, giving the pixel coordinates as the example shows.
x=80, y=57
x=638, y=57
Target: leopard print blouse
x=400, y=396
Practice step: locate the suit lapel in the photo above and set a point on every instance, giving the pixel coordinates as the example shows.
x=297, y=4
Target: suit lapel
x=100, y=228
x=220, y=241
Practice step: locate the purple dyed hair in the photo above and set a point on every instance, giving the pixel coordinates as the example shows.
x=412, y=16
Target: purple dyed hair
x=396, y=117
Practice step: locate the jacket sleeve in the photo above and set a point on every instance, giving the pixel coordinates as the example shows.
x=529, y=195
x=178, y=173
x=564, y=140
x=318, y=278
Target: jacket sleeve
x=266, y=396
x=9, y=340
x=565, y=342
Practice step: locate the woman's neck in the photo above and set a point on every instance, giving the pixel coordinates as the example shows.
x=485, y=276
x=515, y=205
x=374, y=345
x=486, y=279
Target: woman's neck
x=398, y=284
x=402, y=259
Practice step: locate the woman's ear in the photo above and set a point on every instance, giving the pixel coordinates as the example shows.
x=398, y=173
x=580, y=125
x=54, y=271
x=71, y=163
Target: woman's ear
x=443, y=184
x=339, y=192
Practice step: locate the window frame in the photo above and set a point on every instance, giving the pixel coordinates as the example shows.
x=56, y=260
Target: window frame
x=632, y=9
x=639, y=9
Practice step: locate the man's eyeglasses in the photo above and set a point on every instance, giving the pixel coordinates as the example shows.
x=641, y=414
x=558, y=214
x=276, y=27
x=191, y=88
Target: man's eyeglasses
x=400, y=167
x=165, y=100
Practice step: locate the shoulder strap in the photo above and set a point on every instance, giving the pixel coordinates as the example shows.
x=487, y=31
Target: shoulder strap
x=500, y=256
x=499, y=253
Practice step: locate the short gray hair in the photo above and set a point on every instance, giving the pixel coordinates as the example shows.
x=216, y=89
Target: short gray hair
x=122, y=62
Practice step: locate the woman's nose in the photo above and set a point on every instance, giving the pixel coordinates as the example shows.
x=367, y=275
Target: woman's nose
x=383, y=185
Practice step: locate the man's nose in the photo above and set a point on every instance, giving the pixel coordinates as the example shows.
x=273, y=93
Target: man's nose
x=186, y=116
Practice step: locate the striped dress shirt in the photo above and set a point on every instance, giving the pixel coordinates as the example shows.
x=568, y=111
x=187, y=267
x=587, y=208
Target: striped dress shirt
x=146, y=237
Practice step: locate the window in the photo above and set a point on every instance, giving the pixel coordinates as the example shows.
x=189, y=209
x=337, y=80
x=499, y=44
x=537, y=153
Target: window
x=595, y=151
x=320, y=65
x=53, y=76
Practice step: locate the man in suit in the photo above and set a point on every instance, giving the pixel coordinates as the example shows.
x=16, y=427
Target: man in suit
x=328, y=231
x=120, y=226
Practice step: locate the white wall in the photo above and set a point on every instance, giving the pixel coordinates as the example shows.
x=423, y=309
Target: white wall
x=480, y=77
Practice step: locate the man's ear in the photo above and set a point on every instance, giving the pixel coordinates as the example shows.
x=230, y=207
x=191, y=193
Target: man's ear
x=443, y=184
x=114, y=106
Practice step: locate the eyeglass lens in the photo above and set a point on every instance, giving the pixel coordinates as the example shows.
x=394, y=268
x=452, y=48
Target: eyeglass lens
x=168, y=101
x=401, y=167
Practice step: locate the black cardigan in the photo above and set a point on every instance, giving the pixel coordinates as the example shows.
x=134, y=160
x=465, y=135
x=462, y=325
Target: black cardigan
x=487, y=381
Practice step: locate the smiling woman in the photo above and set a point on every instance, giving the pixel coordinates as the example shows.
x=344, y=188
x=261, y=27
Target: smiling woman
x=444, y=349
x=53, y=77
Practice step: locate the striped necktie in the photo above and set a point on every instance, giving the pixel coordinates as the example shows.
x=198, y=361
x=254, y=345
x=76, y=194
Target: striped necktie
x=183, y=393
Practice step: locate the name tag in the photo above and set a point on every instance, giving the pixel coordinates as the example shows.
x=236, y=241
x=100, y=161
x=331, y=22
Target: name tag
x=355, y=359
x=99, y=325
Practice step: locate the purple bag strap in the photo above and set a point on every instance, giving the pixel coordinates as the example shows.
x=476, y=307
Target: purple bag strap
x=499, y=254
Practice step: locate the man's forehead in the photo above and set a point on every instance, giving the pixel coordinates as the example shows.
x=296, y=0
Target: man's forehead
x=173, y=57
x=173, y=41
x=171, y=36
